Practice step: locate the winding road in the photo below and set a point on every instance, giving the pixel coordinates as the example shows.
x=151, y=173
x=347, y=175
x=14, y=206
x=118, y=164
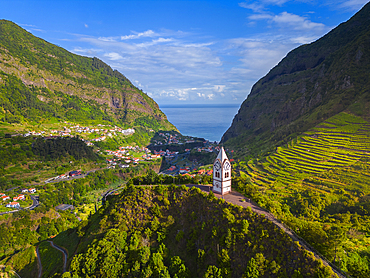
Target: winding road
x=64, y=252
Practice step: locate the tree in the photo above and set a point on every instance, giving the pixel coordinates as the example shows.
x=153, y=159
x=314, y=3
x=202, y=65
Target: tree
x=213, y=272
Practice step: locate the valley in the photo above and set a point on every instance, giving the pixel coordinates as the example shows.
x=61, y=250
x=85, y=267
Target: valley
x=96, y=182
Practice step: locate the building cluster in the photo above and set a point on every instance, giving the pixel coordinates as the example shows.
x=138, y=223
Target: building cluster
x=168, y=139
x=209, y=149
x=172, y=168
x=184, y=170
x=64, y=176
x=20, y=197
x=166, y=154
x=173, y=139
x=72, y=130
x=208, y=172
x=123, y=155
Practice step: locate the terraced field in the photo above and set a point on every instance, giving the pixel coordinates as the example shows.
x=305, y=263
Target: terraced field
x=319, y=185
x=336, y=145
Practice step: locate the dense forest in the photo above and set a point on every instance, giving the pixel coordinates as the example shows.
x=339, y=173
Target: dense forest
x=170, y=231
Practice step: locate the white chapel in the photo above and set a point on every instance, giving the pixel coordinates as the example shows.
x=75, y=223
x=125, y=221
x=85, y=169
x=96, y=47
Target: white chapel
x=222, y=174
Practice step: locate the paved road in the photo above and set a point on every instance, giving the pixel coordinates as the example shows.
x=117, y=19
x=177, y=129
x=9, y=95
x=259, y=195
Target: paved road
x=74, y=177
x=35, y=203
x=39, y=261
x=65, y=254
x=110, y=192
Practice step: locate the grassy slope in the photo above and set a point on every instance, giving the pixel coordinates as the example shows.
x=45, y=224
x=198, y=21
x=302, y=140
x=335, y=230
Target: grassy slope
x=25, y=263
x=51, y=259
x=321, y=176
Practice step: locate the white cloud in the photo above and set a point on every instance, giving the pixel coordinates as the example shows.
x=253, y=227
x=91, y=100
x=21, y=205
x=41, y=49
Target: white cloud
x=148, y=33
x=353, y=4
x=303, y=39
x=181, y=66
x=219, y=88
x=259, y=6
x=256, y=7
x=291, y=21
x=113, y=56
x=108, y=39
x=86, y=26
x=297, y=22
x=261, y=16
x=26, y=25
x=30, y=27
x=258, y=55
x=87, y=51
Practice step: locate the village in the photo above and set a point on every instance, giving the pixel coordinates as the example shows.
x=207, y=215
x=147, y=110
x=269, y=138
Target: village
x=182, y=155
x=19, y=200
x=173, y=138
x=94, y=134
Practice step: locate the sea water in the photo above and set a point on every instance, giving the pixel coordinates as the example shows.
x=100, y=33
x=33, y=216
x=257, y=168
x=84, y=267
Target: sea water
x=205, y=121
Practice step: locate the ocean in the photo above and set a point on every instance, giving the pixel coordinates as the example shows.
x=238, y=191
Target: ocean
x=205, y=121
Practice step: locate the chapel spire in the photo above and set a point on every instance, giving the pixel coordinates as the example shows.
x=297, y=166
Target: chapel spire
x=222, y=173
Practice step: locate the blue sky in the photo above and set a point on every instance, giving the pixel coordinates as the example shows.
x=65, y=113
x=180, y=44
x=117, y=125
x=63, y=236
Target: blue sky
x=183, y=51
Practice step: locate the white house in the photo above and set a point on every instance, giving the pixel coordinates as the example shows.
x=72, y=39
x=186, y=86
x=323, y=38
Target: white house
x=222, y=174
x=13, y=205
x=5, y=197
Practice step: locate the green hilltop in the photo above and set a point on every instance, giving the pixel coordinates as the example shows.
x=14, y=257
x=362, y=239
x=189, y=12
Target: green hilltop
x=170, y=231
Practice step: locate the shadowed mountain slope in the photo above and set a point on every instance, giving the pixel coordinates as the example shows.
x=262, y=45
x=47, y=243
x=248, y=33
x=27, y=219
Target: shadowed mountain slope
x=312, y=83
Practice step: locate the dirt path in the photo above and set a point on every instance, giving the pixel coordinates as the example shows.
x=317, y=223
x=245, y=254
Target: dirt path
x=238, y=199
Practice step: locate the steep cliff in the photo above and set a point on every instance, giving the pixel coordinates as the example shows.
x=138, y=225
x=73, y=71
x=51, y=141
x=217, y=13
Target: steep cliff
x=312, y=83
x=39, y=80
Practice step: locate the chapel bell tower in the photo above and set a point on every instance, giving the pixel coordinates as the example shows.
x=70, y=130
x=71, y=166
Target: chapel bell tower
x=222, y=174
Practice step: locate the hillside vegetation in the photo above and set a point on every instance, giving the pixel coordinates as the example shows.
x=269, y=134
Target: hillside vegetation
x=27, y=160
x=319, y=183
x=302, y=138
x=311, y=84
x=41, y=83
x=176, y=232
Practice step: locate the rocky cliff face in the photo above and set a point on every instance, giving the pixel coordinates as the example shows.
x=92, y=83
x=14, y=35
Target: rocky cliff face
x=312, y=83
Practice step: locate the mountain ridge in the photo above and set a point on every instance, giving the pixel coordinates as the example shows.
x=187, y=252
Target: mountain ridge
x=312, y=83
x=52, y=69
